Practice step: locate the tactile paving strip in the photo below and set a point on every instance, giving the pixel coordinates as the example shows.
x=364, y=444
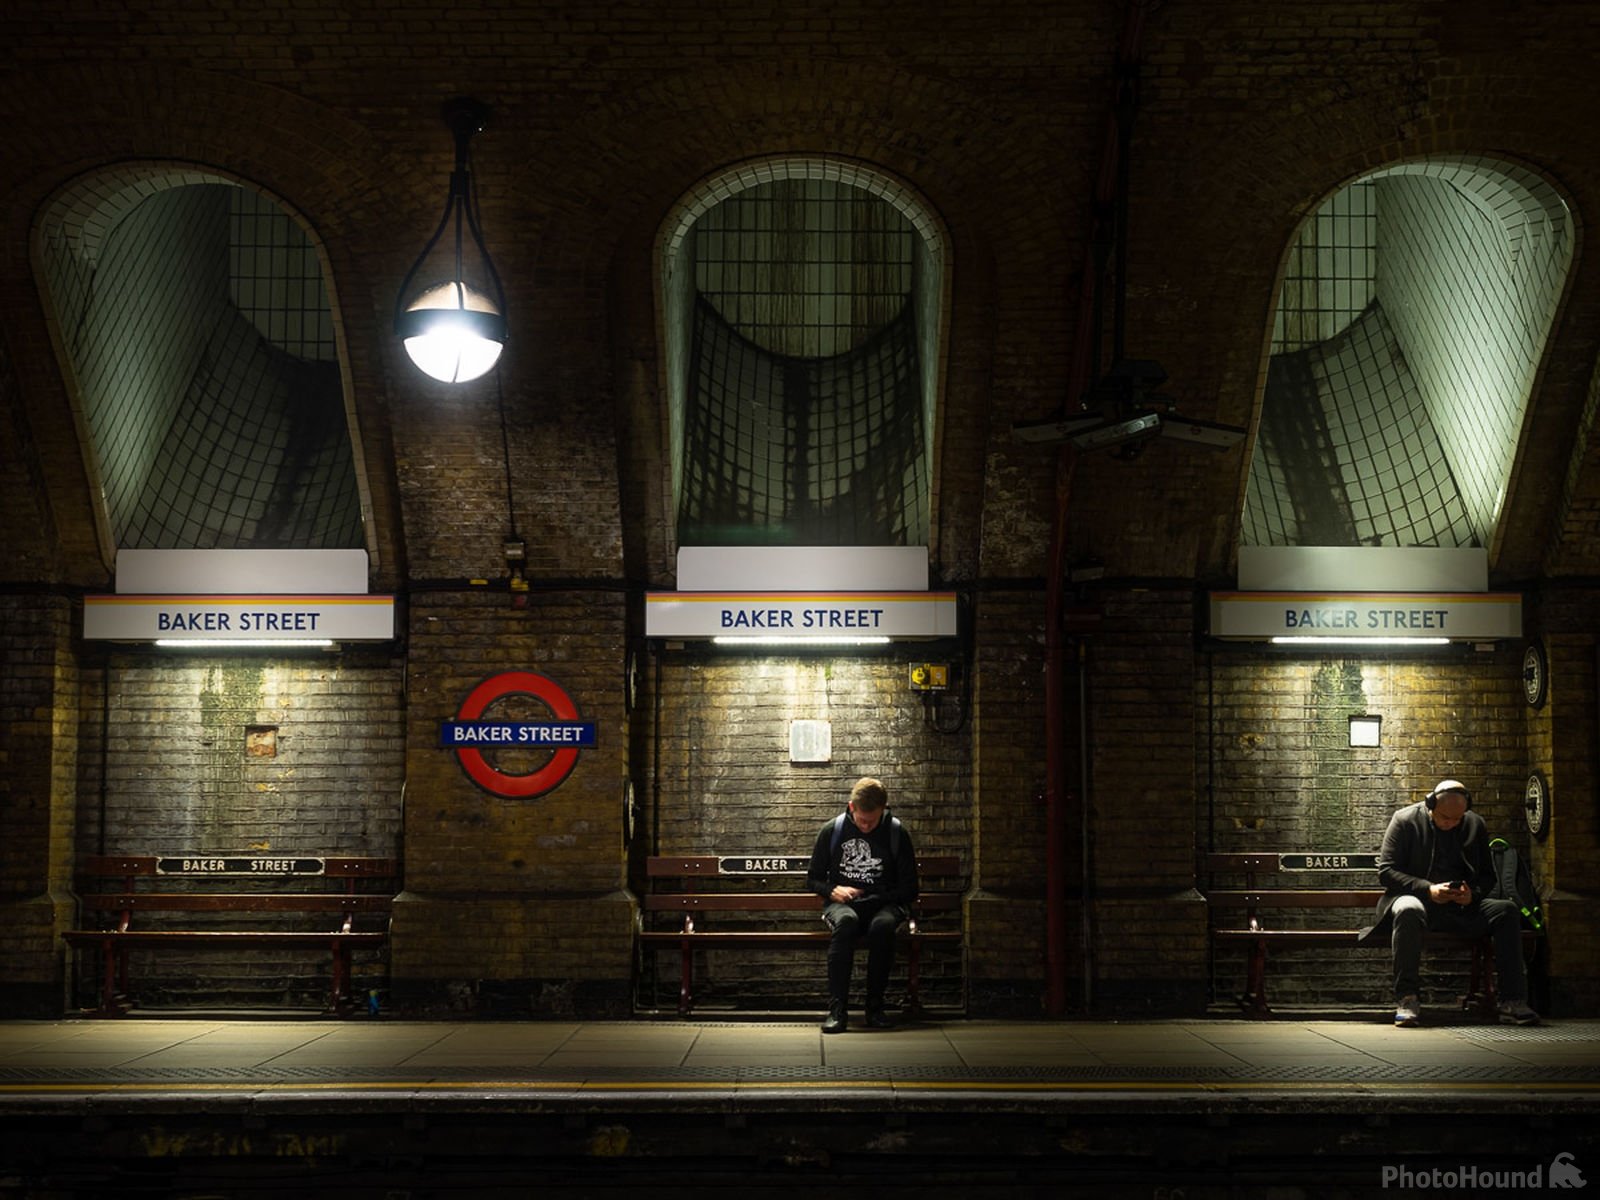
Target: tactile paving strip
x=1374, y=1073
x=1526, y=1033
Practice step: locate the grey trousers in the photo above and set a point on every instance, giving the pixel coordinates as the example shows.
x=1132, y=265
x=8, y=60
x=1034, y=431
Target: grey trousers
x=1497, y=918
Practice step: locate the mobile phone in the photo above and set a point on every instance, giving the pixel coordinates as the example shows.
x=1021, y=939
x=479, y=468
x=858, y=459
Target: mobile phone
x=1456, y=885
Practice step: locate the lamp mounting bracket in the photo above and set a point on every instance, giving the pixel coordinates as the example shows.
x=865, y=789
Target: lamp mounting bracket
x=464, y=116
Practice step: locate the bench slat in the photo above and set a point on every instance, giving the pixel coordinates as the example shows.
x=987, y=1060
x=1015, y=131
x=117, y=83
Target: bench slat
x=1285, y=898
x=233, y=937
x=245, y=902
x=333, y=867
x=773, y=902
x=776, y=937
x=686, y=866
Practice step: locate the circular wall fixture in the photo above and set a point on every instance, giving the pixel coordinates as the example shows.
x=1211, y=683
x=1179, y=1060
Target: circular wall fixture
x=1536, y=804
x=1535, y=674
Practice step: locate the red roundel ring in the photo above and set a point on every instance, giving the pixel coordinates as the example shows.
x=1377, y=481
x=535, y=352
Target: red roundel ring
x=535, y=783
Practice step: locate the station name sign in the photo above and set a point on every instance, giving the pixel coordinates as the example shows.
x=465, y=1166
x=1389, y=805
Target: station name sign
x=763, y=864
x=148, y=618
x=911, y=615
x=453, y=734
x=1459, y=616
x=210, y=864
x=1337, y=860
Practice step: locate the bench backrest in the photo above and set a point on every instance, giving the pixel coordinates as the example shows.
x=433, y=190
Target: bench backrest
x=1260, y=881
x=712, y=883
x=701, y=866
x=126, y=884
x=107, y=866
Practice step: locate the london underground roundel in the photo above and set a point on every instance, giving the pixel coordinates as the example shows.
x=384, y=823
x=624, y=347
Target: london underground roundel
x=473, y=736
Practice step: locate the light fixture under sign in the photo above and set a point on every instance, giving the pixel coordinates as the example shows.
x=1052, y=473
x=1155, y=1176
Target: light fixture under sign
x=245, y=643
x=1359, y=641
x=800, y=641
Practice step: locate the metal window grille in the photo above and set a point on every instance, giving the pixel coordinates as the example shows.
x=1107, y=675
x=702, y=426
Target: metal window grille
x=804, y=419
x=1332, y=273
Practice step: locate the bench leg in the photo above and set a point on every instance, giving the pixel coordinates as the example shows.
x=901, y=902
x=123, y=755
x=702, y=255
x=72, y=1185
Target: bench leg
x=113, y=977
x=686, y=979
x=1254, y=1000
x=1481, y=993
x=913, y=978
x=341, y=977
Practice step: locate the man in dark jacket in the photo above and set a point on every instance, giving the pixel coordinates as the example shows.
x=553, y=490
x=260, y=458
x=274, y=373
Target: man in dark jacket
x=1435, y=870
x=865, y=870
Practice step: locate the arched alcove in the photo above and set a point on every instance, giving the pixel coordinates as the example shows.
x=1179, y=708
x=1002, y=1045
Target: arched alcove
x=193, y=320
x=802, y=303
x=1415, y=309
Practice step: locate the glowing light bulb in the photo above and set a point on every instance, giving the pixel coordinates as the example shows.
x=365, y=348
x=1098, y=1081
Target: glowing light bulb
x=453, y=333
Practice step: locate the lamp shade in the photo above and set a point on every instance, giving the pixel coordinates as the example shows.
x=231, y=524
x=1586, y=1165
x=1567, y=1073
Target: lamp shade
x=452, y=332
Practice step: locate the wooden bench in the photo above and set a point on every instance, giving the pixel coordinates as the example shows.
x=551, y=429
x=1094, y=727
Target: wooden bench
x=1255, y=913
x=697, y=892
x=338, y=890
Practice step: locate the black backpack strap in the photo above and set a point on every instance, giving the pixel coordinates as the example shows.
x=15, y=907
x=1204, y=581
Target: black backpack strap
x=838, y=834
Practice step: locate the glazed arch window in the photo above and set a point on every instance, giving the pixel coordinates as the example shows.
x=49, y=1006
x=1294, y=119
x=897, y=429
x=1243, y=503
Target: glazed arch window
x=193, y=319
x=1416, y=306
x=803, y=304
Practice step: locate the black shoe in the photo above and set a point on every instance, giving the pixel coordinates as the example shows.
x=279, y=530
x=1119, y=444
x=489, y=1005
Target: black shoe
x=878, y=1019
x=837, y=1020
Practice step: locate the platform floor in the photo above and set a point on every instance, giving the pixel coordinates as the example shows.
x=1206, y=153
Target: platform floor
x=400, y=1109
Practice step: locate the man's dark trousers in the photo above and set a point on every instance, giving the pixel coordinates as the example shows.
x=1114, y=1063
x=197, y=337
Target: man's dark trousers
x=875, y=919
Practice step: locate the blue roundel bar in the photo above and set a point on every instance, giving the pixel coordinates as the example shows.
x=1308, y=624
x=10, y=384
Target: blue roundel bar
x=533, y=735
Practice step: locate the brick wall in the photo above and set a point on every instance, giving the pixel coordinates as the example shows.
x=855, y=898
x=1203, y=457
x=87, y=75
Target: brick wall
x=515, y=906
x=1277, y=773
x=38, y=762
x=721, y=782
x=1249, y=114
x=170, y=766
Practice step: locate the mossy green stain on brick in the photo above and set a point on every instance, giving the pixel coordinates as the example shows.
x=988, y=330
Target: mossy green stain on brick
x=1336, y=693
x=230, y=696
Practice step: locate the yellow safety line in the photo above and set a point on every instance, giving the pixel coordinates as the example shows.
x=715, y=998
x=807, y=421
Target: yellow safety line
x=757, y=1086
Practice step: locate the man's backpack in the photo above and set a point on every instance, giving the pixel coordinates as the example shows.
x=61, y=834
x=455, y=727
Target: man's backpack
x=1514, y=882
x=838, y=833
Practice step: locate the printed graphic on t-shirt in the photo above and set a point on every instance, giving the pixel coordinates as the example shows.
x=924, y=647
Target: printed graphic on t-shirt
x=858, y=864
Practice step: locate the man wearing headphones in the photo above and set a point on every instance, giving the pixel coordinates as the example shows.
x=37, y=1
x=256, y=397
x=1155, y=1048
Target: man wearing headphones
x=1433, y=866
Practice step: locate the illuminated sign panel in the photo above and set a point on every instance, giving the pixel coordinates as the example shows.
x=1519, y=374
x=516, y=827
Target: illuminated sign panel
x=146, y=618
x=1458, y=616
x=800, y=615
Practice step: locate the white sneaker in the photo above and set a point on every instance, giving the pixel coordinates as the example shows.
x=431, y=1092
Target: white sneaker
x=1517, y=1012
x=1408, y=1012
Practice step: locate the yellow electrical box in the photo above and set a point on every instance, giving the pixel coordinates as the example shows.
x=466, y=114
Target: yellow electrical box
x=930, y=677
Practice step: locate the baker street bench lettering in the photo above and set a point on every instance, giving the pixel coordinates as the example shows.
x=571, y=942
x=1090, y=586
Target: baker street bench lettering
x=348, y=909
x=239, y=866
x=763, y=866
x=691, y=906
x=1327, y=862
